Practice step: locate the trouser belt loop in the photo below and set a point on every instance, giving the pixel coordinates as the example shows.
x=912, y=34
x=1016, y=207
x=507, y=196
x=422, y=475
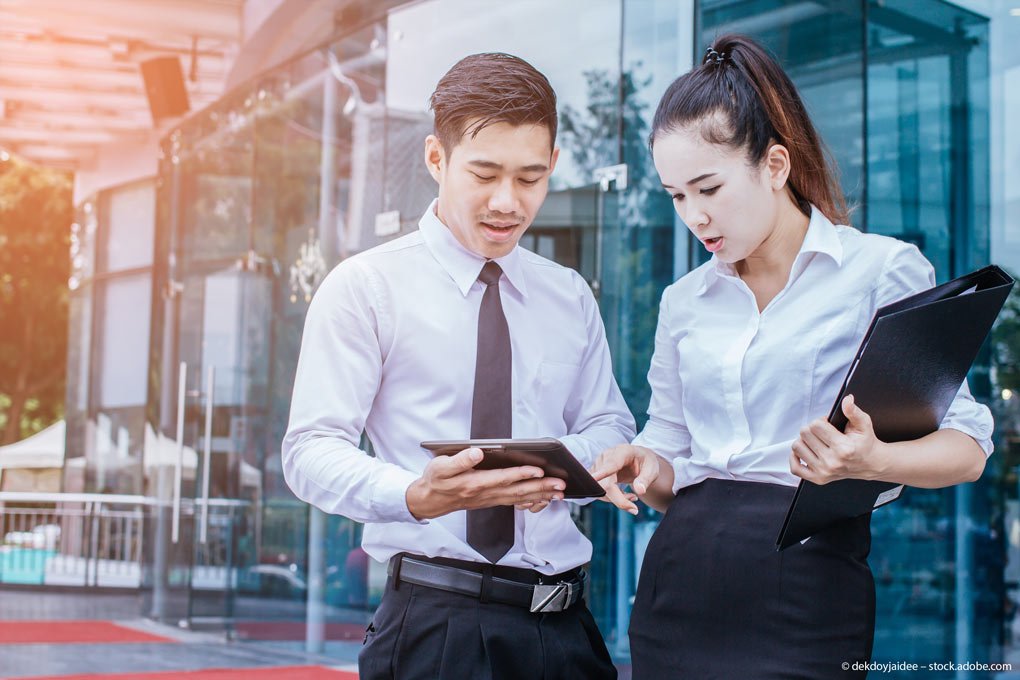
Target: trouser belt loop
x=486, y=590
x=395, y=563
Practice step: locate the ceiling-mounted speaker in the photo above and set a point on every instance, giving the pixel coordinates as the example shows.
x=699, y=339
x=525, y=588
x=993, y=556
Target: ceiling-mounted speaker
x=164, y=88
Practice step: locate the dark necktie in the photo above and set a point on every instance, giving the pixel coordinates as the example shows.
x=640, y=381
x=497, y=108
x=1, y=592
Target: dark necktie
x=490, y=531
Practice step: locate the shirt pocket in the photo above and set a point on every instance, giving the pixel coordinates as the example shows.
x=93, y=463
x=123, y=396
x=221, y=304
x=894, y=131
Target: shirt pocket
x=554, y=391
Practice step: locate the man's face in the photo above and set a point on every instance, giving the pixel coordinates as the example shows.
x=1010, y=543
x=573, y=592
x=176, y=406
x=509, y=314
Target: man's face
x=492, y=185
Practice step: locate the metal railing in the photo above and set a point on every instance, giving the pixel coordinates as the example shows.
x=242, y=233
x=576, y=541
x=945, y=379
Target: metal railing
x=84, y=540
x=72, y=539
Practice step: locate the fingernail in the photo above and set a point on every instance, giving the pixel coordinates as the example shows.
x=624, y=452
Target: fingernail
x=536, y=475
x=633, y=511
x=476, y=454
x=557, y=497
x=559, y=486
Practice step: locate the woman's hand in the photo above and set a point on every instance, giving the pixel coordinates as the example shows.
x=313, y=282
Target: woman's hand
x=823, y=454
x=624, y=464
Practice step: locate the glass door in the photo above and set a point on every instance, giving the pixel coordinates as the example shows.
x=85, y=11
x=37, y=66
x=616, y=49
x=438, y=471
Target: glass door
x=208, y=506
x=204, y=467
x=221, y=332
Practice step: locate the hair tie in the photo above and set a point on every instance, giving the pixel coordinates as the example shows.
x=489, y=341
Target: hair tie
x=713, y=57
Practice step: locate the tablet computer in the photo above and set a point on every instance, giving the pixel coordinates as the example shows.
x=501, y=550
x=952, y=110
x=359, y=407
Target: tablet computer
x=547, y=453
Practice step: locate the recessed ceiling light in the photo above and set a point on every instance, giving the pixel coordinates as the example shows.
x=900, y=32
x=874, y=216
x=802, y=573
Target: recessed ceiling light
x=1015, y=12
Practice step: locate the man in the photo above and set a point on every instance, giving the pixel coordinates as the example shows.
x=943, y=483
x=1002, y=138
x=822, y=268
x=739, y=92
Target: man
x=453, y=332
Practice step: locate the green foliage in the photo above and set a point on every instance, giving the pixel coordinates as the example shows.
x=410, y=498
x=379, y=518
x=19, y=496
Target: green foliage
x=35, y=217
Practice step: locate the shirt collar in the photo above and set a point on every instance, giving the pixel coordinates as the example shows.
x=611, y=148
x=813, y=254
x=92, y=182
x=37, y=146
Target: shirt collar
x=461, y=264
x=821, y=237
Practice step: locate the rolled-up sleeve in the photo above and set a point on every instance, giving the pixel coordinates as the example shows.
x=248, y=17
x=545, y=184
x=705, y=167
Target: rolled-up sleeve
x=968, y=416
x=338, y=375
x=906, y=272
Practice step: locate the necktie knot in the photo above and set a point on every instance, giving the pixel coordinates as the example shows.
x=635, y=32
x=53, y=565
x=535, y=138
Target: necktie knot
x=490, y=273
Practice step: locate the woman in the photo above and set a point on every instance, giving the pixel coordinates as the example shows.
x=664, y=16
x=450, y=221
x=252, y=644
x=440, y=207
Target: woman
x=750, y=351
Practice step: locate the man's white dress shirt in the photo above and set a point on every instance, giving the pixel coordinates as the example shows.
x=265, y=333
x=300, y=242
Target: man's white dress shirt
x=731, y=387
x=389, y=348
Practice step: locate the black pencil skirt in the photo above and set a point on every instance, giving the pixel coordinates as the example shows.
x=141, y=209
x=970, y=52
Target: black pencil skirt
x=716, y=600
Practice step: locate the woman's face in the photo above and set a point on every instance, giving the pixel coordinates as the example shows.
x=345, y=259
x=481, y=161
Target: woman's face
x=729, y=206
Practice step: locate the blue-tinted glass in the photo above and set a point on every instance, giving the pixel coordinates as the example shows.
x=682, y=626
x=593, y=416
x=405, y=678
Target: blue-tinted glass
x=820, y=46
x=933, y=552
x=644, y=248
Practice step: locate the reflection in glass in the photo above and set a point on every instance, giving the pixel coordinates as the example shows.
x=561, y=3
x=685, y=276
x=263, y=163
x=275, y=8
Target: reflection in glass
x=426, y=38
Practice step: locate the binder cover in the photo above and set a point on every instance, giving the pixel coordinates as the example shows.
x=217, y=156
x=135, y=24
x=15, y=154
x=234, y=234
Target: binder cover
x=909, y=367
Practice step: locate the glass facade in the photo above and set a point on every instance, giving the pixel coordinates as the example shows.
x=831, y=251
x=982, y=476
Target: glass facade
x=111, y=291
x=899, y=92
x=261, y=194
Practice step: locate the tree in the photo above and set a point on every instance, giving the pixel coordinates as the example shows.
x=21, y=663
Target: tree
x=36, y=212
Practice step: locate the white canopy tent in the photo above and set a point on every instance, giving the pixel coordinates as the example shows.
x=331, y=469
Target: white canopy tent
x=44, y=449
x=35, y=463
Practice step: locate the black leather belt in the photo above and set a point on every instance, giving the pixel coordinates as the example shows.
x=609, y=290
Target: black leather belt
x=539, y=597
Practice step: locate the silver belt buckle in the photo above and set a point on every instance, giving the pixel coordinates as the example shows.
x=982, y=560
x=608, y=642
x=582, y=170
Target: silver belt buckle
x=551, y=598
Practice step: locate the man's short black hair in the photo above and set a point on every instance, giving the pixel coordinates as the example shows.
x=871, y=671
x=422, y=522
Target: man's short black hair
x=488, y=88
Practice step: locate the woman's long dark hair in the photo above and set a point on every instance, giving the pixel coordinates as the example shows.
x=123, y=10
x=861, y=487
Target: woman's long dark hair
x=739, y=96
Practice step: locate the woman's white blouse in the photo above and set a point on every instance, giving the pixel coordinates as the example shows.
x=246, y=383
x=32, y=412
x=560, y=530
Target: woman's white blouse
x=731, y=387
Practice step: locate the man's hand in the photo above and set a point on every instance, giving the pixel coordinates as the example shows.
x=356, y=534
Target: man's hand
x=451, y=483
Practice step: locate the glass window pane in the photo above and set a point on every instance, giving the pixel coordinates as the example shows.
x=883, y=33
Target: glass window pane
x=928, y=184
x=214, y=169
x=129, y=222
x=114, y=434
x=644, y=249
x=426, y=38
x=821, y=47
x=123, y=341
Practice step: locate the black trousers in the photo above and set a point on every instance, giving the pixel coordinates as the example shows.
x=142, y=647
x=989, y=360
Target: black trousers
x=715, y=600
x=429, y=634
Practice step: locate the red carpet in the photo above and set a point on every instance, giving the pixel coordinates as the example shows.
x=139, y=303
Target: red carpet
x=279, y=673
x=296, y=630
x=62, y=632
